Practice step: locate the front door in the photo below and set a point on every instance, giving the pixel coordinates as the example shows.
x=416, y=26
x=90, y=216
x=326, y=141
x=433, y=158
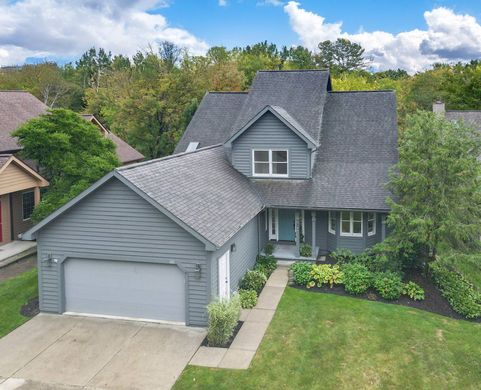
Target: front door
x=224, y=276
x=287, y=228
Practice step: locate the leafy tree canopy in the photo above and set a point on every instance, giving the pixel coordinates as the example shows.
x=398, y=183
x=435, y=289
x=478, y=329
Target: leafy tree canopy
x=341, y=55
x=72, y=153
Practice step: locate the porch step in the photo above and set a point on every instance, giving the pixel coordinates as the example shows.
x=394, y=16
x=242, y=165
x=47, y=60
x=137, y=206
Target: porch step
x=15, y=251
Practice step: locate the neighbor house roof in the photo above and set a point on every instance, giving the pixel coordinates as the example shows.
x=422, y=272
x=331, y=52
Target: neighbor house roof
x=213, y=204
x=16, y=107
x=470, y=117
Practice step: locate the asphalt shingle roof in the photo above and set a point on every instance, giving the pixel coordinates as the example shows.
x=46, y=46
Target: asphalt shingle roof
x=200, y=188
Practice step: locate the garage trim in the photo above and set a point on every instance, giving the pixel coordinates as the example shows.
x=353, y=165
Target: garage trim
x=61, y=260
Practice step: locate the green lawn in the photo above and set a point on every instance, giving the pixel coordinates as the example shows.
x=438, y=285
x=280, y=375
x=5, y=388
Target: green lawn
x=14, y=293
x=319, y=341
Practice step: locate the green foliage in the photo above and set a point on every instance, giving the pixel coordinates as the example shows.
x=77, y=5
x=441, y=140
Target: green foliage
x=462, y=295
x=253, y=280
x=248, y=298
x=305, y=250
x=357, y=278
x=437, y=186
x=389, y=285
x=223, y=317
x=466, y=264
x=72, y=153
x=325, y=274
x=302, y=272
x=413, y=291
x=341, y=55
x=266, y=264
x=269, y=248
x=342, y=256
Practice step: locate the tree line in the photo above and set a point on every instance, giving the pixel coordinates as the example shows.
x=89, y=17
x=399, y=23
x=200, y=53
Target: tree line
x=148, y=99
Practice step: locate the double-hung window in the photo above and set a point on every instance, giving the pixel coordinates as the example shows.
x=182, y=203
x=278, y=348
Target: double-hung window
x=270, y=162
x=332, y=222
x=371, y=224
x=28, y=204
x=351, y=223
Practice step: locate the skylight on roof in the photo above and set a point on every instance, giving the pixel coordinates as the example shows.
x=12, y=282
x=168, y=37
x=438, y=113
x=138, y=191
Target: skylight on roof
x=192, y=146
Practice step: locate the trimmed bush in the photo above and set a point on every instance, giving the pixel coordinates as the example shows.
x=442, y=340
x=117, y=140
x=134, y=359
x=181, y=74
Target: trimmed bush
x=413, y=291
x=305, y=250
x=253, y=280
x=325, y=274
x=223, y=317
x=389, y=285
x=302, y=272
x=269, y=248
x=266, y=264
x=248, y=298
x=462, y=295
x=342, y=256
x=357, y=278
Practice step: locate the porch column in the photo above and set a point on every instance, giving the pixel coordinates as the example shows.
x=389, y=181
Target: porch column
x=313, y=218
x=36, y=195
x=297, y=232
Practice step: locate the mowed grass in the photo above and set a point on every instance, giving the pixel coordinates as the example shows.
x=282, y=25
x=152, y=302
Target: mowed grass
x=14, y=293
x=324, y=341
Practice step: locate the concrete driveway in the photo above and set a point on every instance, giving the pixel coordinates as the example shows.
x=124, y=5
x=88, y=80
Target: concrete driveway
x=66, y=352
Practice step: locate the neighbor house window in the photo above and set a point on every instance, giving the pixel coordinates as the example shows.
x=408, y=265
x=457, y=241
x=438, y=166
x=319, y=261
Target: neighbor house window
x=371, y=224
x=270, y=162
x=351, y=223
x=28, y=204
x=332, y=222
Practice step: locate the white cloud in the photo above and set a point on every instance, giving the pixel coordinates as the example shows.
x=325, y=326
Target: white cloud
x=222, y=3
x=448, y=37
x=65, y=28
x=275, y=3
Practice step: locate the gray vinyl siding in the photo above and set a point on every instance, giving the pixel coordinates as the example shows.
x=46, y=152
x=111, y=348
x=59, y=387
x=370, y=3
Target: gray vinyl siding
x=270, y=132
x=263, y=229
x=114, y=223
x=243, y=259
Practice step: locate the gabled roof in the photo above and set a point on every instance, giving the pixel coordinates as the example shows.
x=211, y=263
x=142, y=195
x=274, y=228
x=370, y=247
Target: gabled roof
x=126, y=153
x=212, y=204
x=16, y=108
x=7, y=159
x=285, y=118
x=213, y=120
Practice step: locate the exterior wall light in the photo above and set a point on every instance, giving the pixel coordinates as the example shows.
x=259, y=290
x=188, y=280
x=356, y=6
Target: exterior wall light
x=233, y=248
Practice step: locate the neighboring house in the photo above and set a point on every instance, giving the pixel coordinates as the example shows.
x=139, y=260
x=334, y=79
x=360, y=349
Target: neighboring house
x=469, y=117
x=20, y=181
x=289, y=161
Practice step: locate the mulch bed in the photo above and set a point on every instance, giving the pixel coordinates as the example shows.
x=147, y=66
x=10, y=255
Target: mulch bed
x=433, y=301
x=205, y=343
x=30, y=309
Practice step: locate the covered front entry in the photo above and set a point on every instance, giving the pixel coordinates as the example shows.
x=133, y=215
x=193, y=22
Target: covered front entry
x=125, y=289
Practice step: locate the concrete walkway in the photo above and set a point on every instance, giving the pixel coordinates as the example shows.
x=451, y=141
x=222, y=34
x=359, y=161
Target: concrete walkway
x=256, y=321
x=16, y=250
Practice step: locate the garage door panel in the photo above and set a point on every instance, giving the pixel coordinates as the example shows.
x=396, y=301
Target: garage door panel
x=125, y=289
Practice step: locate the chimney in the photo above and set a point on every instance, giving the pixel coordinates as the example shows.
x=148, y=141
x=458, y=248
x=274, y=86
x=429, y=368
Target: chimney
x=439, y=108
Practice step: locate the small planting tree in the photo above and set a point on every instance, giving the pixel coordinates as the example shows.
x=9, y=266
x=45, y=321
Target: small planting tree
x=223, y=317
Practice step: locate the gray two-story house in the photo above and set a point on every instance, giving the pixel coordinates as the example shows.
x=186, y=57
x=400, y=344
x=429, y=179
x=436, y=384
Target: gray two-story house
x=290, y=161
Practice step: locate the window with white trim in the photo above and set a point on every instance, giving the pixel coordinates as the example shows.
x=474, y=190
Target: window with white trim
x=270, y=162
x=371, y=224
x=332, y=222
x=28, y=204
x=351, y=223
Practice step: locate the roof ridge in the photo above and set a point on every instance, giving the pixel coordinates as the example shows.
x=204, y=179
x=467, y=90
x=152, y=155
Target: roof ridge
x=230, y=92
x=463, y=110
x=363, y=91
x=14, y=90
x=169, y=157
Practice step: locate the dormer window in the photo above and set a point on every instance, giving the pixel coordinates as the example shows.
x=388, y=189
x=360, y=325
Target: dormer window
x=270, y=162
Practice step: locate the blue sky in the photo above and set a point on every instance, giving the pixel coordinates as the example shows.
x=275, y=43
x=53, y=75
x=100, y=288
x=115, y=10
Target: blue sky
x=408, y=34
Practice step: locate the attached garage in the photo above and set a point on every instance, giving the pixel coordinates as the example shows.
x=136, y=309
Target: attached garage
x=125, y=289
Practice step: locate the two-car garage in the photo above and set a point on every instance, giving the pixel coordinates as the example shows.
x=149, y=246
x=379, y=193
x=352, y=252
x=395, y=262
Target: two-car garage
x=125, y=289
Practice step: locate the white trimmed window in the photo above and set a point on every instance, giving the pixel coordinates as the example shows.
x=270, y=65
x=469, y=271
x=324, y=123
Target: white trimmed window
x=351, y=223
x=270, y=163
x=28, y=204
x=371, y=224
x=332, y=222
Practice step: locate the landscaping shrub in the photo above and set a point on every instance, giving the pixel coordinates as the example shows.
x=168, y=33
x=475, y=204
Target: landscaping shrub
x=413, y=291
x=325, y=274
x=248, y=298
x=374, y=261
x=223, y=317
x=253, y=280
x=342, y=256
x=269, y=248
x=462, y=295
x=302, y=272
x=305, y=250
x=388, y=284
x=357, y=278
x=266, y=264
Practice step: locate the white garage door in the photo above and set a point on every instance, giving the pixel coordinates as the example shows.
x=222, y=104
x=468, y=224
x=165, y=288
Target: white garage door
x=125, y=289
